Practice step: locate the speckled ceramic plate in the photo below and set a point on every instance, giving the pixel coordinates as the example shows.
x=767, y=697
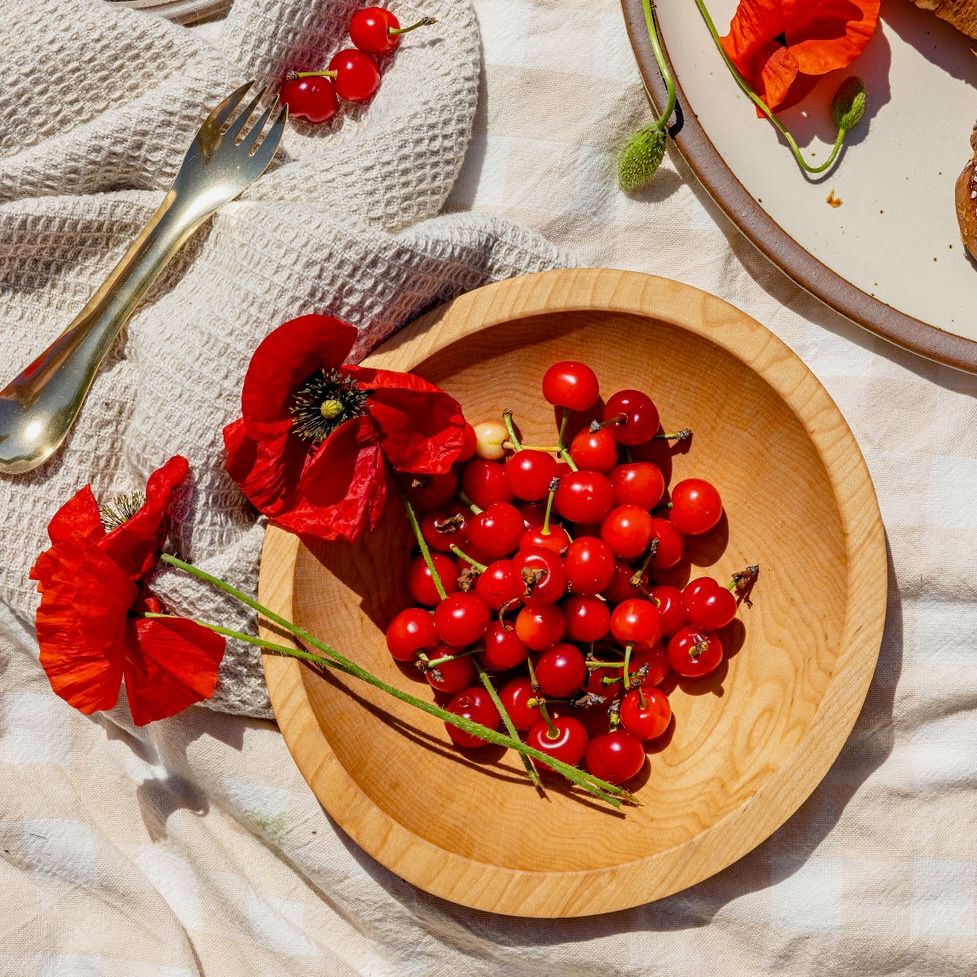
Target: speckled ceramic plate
x=889, y=257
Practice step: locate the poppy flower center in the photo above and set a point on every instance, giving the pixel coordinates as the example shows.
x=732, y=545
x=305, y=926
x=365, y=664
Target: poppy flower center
x=121, y=509
x=325, y=400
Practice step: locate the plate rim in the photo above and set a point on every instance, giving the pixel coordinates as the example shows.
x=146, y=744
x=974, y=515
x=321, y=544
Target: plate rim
x=768, y=237
x=570, y=894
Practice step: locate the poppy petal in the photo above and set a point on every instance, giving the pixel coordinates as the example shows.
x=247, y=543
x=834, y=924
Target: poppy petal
x=777, y=73
x=135, y=545
x=831, y=34
x=422, y=428
x=170, y=664
x=754, y=25
x=81, y=623
x=267, y=470
x=343, y=489
x=284, y=359
x=79, y=518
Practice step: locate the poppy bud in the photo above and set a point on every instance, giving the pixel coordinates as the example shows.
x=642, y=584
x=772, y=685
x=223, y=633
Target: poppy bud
x=641, y=156
x=848, y=105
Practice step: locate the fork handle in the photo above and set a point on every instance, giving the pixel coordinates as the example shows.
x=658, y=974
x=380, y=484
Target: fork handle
x=48, y=394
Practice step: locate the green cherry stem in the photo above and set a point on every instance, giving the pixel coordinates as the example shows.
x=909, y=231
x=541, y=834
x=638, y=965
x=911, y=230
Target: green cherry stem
x=510, y=429
x=313, y=74
x=422, y=544
x=470, y=560
x=554, y=485
x=682, y=435
x=471, y=505
x=764, y=108
x=627, y=665
x=423, y=22
x=434, y=662
x=531, y=770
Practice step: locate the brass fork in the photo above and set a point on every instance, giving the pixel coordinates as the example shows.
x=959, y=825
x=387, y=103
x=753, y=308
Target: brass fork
x=231, y=150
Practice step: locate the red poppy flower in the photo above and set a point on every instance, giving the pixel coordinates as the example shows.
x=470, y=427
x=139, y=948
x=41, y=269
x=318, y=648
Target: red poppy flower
x=91, y=584
x=781, y=46
x=316, y=435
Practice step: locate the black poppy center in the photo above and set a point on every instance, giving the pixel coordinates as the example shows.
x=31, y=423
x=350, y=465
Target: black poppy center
x=325, y=400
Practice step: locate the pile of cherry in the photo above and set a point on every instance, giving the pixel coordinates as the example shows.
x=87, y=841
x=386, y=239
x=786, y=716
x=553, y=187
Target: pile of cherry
x=543, y=561
x=352, y=74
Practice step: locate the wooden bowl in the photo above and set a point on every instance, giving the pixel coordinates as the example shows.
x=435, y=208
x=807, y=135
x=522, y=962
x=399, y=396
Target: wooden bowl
x=748, y=744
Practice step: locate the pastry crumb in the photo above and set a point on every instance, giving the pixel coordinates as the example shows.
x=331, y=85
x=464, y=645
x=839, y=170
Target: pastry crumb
x=831, y=200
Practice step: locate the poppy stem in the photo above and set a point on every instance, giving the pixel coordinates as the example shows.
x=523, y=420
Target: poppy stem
x=663, y=68
x=332, y=659
x=765, y=109
x=422, y=543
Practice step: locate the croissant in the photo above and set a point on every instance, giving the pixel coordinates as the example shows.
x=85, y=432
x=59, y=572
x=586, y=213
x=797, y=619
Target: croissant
x=961, y=13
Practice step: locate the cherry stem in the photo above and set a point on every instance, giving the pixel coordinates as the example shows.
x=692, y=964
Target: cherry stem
x=532, y=673
x=627, y=664
x=594, y=663
x=531, y=770
x=551, y=730
x=471, y=505
x=313, y=74
x=422, y=544
x=511, y=430
x=638, y=575
x=743, y=578
x=458, y=551
x=764, y=108
x=682, y=435
x=564, y=420
x=549, y=449
x=546, y=530
x=641, y=698
x=423, y=22
x=594, y=785
x=434, y=662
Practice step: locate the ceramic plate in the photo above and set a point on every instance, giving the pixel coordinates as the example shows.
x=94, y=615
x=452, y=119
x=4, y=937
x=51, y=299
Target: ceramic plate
x=889, y=257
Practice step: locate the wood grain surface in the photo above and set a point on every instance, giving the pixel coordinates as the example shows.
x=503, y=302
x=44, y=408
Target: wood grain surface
x=748, y=744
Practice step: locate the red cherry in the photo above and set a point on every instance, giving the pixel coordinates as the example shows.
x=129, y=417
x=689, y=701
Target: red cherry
x=313, y=98
x=461, y=619
x=468, y=444
x=655, y=657
x=708, y=604
x=556, y=539
x=503, y=649
x=671, y=544
x=569, y=744
x=499, y=583
x=443, y=529
x=572, y=385
x=638, y=483
x=597, y=686
x=615, y=757
x=670, y=608
x=646, y=713
x=634, y=621
x=357, y=75
x=484, y=482
x=589, y=565
x=693, y=652
x=634, y=414
x=620, y=588
x=543, y=574
x=696, y=506
x=588, y=618
x=474, y=704
x=529, y=474
x=411, y=631
x=561, y=671
x=496, y=530
x=540, y=627
x=429, y=492
x=515, y=696
x=595, y=451
x=584, y=497
x=451, y=676
x=420, y=584
x=369, y=30
x=627, y=531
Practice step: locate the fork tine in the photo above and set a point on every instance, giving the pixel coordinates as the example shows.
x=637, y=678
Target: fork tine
x=256, y=130
x=220, y=113
x=237, y=126
x=265, y=152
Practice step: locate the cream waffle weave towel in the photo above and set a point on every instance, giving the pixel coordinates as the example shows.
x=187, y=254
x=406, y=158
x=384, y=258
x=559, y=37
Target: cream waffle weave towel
x=98, y=105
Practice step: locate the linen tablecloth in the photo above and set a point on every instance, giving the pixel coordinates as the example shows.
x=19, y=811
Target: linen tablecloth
x=194, y=847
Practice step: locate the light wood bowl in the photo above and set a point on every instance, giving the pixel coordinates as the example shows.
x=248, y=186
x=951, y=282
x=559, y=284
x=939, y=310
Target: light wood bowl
x=748, y=745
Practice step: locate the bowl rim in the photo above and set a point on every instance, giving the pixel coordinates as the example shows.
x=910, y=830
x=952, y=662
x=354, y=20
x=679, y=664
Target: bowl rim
x=552, y=894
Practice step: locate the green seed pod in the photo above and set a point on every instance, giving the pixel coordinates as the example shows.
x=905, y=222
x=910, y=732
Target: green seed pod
x=848, y=105
x=640, y=158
